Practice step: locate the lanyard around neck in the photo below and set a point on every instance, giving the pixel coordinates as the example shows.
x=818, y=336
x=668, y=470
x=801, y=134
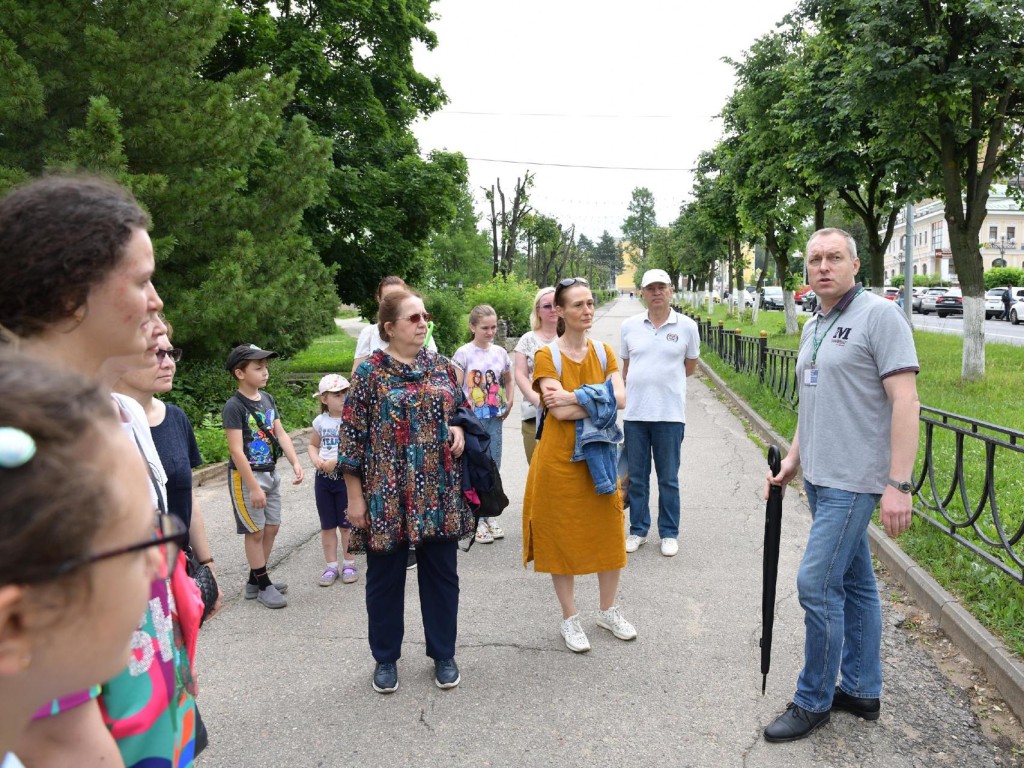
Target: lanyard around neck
x=814, y=333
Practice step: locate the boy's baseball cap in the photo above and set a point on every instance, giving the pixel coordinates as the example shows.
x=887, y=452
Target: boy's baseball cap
x=332, y=382
x=655, y=276
x=247, y=352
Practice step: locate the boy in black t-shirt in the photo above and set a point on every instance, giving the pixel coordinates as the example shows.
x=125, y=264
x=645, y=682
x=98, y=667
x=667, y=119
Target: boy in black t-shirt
x=256, y=439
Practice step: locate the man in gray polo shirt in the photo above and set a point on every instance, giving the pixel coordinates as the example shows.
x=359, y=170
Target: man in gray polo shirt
x=856, y=440
x=659, y=350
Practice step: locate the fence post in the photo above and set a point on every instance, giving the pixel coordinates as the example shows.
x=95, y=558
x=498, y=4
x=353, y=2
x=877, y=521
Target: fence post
x=738, y=348
x=721, y=341
x=762, y=354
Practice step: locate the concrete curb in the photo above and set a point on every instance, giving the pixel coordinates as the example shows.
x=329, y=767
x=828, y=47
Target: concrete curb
x=212, y=473
x=979, y=645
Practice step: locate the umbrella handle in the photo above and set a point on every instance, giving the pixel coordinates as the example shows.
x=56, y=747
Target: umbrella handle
x=774, y=459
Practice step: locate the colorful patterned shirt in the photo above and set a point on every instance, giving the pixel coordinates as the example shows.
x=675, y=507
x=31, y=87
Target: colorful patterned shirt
x=394, y=436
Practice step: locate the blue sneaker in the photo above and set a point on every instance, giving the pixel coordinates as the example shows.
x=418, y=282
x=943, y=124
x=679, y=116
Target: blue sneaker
x=446, y=673
x=385, y=677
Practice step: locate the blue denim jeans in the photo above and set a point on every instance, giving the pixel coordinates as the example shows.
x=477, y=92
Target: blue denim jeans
x=842, y=611
x=664, y=441
x=493, y=427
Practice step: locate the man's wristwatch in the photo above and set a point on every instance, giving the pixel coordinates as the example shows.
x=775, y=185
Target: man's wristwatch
x=904, y=487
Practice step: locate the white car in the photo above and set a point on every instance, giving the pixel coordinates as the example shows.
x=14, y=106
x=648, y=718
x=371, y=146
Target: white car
x=928, y=300
x=1017, y=312
x=994, y=302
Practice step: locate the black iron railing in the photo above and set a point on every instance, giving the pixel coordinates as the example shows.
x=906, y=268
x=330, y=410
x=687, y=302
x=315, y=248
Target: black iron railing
x=970, y=479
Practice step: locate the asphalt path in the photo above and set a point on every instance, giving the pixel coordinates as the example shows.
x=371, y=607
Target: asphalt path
x=292, y=687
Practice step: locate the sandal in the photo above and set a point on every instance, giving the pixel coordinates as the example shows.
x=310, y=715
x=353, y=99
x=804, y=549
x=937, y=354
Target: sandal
x=349, y=574
x=328, y=577
x=483, y=535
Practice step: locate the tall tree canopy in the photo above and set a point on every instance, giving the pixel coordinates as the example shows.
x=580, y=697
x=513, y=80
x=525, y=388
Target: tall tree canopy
x=641, y=222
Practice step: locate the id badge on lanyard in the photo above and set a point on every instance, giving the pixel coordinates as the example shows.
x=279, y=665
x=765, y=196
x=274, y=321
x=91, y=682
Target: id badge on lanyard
x=811, y=377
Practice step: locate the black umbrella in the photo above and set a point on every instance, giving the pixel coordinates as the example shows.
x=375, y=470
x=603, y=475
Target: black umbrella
x=770, y=568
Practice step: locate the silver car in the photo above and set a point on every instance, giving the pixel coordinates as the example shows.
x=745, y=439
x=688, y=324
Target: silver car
x=928, y=300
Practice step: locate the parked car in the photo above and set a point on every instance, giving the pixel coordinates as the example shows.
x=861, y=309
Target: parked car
x=810, y=301
x=771, y=297
x=891, y=293
x=994, y=302
x=1017, y=312
x=799, y=293
x=928, y=300
x=919, y=291
x=950, y=303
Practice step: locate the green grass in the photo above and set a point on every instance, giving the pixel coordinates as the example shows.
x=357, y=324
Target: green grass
x=993, y=597
x=332, y=353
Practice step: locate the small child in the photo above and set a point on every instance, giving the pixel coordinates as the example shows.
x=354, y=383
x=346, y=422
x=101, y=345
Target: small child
x=256, y=439
x=328, y=485
x=484, y=371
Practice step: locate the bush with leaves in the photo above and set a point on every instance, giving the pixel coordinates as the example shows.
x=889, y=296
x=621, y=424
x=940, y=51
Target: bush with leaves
x=511, y=299
x=999, y=277
x=449, y=318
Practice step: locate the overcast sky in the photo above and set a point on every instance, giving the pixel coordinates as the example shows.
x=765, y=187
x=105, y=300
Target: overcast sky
x=635, y=84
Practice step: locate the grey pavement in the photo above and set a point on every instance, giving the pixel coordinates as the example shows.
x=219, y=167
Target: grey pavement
x=291, y=687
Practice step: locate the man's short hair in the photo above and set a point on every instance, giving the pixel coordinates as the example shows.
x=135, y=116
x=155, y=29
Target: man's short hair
x=851, y=244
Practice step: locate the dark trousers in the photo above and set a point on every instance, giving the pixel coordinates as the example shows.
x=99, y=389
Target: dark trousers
x=438, y=580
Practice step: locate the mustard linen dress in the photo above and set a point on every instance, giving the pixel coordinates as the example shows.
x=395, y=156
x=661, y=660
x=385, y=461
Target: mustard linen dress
x=568, y=529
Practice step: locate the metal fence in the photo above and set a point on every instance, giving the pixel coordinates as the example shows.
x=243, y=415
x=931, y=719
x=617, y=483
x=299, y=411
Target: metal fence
x=969, y=480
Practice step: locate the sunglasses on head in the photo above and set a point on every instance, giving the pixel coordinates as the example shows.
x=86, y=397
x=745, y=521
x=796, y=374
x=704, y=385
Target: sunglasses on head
x=425, y=316
x=174, y=354
x=571, y=281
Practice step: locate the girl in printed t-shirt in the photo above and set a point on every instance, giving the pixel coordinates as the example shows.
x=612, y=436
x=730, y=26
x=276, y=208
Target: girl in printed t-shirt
x=329, y=487
x=481, y=357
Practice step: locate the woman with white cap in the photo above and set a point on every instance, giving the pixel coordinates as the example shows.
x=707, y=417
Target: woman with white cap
x=329, y=486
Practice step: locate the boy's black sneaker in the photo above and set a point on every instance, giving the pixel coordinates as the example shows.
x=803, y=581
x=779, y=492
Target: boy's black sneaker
x=446, y=673
x=385, y=677
x=869, y=709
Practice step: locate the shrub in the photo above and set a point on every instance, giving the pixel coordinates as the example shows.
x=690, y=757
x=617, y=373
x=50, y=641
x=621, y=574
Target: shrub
x=449, y=318
x=511, y=299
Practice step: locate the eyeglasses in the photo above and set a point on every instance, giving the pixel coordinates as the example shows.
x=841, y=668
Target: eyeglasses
x=571, y=281
x=168, y=537
x=174, y=354
x=545, y=306
x=424, y=316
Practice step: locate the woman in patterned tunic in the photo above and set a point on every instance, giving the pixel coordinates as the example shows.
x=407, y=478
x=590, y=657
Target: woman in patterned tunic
x=404, y=479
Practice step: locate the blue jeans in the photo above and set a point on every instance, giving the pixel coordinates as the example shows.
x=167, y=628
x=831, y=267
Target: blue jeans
x=493, y=427
x=842, y=611
x=663, y=440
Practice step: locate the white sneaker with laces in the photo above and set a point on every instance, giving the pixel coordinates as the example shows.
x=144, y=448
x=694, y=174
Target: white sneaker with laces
x=574, y=636
x=495, y=529
x=616, y=623
x=633, y=542
x=483, y=534
x=669, y=547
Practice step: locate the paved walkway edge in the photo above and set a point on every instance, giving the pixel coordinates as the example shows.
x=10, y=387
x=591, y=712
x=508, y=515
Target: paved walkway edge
x=978, y=644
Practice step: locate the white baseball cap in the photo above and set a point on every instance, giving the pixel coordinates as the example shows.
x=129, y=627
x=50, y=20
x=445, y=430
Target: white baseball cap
x=332, y=382
x=655, y=276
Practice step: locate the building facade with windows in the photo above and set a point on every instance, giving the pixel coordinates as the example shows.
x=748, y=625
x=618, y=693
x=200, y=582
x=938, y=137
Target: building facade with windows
x=1001, y=239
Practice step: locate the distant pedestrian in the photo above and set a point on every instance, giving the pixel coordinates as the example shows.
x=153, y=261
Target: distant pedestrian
x=856, y=357
x=569, y=528
x=660, y=348
x=328, y=485
x=256, y=440
x=543, y=321
x=398, y=454
x=495, y=395
x=1007, y=302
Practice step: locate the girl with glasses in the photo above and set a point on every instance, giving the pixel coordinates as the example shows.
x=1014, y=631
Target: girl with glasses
x=543, y=321
x=77, y=558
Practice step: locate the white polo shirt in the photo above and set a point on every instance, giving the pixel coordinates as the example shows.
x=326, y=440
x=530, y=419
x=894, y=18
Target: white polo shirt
x=656, y=379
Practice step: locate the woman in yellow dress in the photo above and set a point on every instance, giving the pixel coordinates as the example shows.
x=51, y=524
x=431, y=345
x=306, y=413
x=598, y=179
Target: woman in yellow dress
x=568, y=528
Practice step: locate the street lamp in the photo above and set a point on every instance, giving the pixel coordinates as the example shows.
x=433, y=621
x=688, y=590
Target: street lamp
x=1002, y=245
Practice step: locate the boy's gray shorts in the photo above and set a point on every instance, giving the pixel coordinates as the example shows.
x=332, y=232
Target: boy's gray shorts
x=249, y=519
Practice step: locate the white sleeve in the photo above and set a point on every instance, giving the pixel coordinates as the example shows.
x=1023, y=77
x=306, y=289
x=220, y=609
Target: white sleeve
x=363, y=342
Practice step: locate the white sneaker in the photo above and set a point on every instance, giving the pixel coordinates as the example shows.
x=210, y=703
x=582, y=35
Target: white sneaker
x=495, y=529
x=633, y=542
x=669, y=547
x=616, y=623
x=574, y=636
x=483, y=534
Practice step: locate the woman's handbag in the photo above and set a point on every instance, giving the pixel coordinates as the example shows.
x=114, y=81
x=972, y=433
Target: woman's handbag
x=206, y=582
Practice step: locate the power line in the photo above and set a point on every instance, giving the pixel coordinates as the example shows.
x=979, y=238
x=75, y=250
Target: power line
x=572, y=165
x=553, y=114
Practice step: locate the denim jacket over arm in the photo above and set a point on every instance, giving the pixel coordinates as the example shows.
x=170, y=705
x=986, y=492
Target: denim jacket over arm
x=597, y=435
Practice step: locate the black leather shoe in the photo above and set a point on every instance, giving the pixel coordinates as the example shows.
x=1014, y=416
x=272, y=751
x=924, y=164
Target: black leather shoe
x=866, y=708
x=795, y=723
x=446, y=673
x=385, y=677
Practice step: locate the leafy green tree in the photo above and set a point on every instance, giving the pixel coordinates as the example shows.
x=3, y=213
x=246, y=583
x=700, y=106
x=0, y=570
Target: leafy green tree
x=356, y=83
x=608, y=256
x=1002, y=276
x=113, y=87
x=638, y=227
x=952, y=75
x=459, y=253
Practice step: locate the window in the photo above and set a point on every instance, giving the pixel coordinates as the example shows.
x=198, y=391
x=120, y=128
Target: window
x=1011, y=234
x=915, y=272
x=993, y=233
x=924, y=271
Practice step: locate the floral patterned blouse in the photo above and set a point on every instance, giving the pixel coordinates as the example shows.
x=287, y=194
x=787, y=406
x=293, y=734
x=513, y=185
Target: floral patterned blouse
x=395, y=437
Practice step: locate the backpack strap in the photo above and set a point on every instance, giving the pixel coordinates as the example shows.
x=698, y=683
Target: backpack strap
x=556, y=355
x=261, y=420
